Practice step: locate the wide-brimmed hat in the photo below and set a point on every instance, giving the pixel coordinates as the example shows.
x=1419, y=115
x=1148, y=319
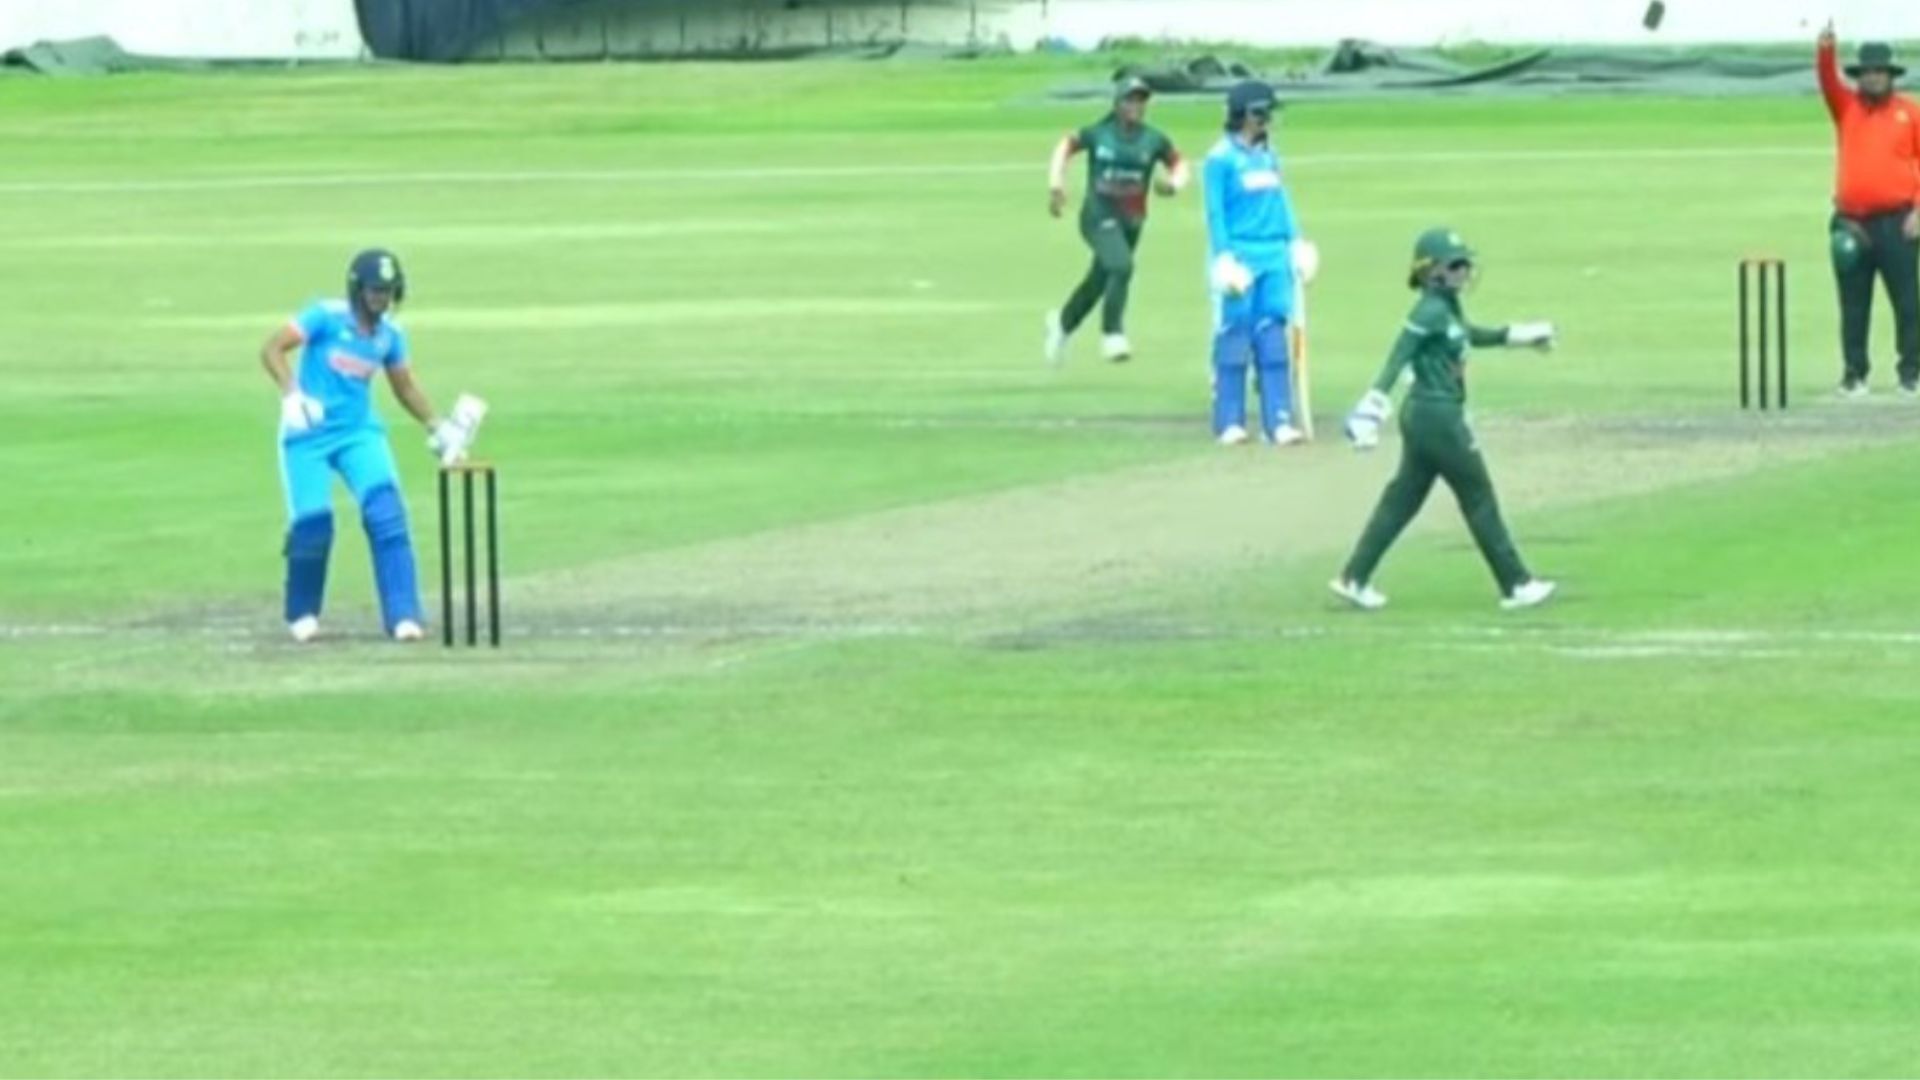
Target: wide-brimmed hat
x=1875, y=56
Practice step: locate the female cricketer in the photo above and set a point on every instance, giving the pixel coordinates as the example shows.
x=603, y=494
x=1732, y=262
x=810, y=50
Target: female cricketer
x=1122, y=152
x=328, y=425
x=1254, y=252
x=1436, y=441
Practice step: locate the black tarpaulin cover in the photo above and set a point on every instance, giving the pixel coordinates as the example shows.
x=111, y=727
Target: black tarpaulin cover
x=438, y=30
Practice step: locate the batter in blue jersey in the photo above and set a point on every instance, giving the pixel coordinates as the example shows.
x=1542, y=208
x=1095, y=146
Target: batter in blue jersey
x=1250, y=234
x=328, y=427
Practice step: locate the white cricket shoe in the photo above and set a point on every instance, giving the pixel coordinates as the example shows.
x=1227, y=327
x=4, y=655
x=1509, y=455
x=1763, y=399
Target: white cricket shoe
x=1288, y=435
x=1854, y=388
x=408, y=630
x=1056, y=340
x=304, y=629
x=1364, y=597
x=1234, y=435
x=1528, y=594
x=1115, y=348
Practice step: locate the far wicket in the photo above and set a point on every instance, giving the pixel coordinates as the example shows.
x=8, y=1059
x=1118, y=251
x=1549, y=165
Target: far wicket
x=467, y=471
x=1768, y=331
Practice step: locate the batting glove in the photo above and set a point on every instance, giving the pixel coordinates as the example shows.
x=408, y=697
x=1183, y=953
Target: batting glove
x=448, y=442
x=1306, y=260
x=300, y=413
x=1230, y=276
x=1364, y=422
x=454, y=436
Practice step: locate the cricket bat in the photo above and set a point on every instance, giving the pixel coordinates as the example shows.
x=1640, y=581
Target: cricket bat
x=1300, y=373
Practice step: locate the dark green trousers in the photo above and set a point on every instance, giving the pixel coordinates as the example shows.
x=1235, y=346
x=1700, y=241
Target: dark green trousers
x=1109, y=279
x=1895, y=260
x=1437, y=444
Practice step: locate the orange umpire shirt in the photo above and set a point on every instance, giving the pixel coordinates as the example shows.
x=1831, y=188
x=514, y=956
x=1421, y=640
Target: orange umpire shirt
x=1879, y=169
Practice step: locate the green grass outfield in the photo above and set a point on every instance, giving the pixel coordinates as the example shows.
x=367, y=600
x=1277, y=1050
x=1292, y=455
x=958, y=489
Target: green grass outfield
x=878, y=702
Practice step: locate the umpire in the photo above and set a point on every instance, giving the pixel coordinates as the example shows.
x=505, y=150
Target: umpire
x=1876, y=221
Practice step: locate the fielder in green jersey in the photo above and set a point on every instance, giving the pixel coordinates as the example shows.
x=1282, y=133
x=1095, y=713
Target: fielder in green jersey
x=1437, y=443
x=1122, y=153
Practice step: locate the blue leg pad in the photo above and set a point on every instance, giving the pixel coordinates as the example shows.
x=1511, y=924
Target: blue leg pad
x=1274, y=364
x=385, y=518
x=1230, y=347
x=309, y=541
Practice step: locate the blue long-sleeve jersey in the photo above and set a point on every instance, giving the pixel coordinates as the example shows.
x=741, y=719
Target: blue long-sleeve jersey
x=1248, y=211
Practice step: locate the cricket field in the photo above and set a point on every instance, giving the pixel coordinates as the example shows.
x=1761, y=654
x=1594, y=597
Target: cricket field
x=879, y=702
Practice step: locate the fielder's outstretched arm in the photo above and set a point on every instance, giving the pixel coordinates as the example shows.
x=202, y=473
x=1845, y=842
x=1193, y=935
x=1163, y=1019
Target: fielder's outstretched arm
x=1487, y=337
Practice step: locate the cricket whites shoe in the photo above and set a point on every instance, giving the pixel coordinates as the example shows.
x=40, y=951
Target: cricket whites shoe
x=1115, y=348
x=1234, y=435
x=408, y=630
x=1364, y=597
x=1056, y=349
x=1528, y=594
x=1854, y=388
x=1287, y=435
x=304, y=629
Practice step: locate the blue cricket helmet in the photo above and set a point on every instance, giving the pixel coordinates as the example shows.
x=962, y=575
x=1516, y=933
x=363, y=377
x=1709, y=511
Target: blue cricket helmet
x=1249, y=96
x=375, y=268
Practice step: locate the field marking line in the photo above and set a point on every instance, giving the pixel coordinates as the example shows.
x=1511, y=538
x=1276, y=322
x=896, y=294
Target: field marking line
x=448, y=177
x=1608, y=643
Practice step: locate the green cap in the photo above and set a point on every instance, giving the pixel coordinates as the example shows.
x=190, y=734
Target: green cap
x=1437, y=247
x=1128, y=85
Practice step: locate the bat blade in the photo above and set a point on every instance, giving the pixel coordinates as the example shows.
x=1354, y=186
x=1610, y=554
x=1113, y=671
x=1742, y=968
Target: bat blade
x=1299, y=371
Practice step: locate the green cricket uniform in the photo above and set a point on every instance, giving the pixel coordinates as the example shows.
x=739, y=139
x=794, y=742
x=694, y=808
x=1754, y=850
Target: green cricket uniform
x=1120, y=164
x=1436, y=440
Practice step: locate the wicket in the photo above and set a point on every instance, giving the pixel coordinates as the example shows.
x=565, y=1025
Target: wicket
x=467, y=471
x=1768, y=331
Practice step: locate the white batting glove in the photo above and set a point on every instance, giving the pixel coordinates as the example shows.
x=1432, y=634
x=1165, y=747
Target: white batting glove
x=448, y=442
x=1230, y=276
x=1364, y=422
x=1306, y=260
x=300, y=413
x=1539, y=335
x=455, y=435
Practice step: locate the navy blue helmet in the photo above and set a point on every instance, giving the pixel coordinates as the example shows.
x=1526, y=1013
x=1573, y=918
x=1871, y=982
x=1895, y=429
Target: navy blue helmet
x=376, y=268
x=1246, y=97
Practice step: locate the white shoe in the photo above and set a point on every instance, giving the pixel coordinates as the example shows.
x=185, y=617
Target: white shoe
x=1288, y=435
x=1364, y=597
x=408, y=630
x=1528, y=594
x=1115, y=348
x=304, y=629
x=1235, y=435
x=1056, y=340
x=1854, y=388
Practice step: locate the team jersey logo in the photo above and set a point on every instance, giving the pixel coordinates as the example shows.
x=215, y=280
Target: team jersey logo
x=351, y=366
x=1260, y=180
